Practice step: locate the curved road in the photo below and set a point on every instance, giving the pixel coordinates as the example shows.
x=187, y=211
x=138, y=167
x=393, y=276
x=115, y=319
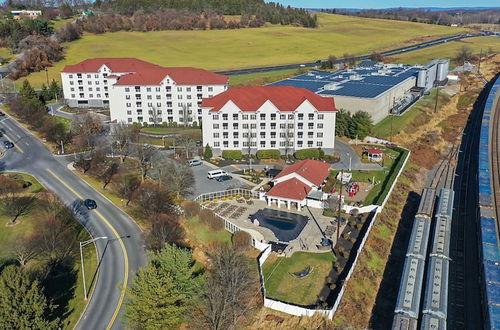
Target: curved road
x=120, y=255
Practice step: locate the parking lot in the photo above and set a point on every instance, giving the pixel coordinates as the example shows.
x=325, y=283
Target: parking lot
x=204, y=185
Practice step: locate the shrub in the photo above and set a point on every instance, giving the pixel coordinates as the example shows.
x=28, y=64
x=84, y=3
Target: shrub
x=232, y=154
x=307, y=154
x=241, y=240
x=333, y=286
x=144, y=124
x=205, y=215
x=191, y=209
x=215, y=223
x=247, y=197
x=321, y=153
x=268, y=154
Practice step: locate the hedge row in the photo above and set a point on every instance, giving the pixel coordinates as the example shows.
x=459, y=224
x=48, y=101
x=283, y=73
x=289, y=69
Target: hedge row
x=312, y=153
x=268, y=154
x=232, y=154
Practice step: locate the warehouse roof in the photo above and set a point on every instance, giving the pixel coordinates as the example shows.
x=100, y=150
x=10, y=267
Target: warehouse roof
x=363, y=81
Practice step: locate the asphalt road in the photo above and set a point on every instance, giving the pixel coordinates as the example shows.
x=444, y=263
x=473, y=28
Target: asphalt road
x=120, y=255
x=391, y=52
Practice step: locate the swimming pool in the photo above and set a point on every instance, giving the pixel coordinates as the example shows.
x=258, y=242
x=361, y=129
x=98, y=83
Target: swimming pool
x=286, y=226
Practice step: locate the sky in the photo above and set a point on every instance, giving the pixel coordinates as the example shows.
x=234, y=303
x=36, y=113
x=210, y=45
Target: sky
x=367, y=4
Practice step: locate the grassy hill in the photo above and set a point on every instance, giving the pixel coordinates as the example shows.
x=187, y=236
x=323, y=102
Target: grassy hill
x=229, y=49
x=449, y=50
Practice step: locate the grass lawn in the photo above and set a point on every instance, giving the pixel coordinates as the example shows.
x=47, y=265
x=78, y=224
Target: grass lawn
x=172, y=130
x=261, y=78
x=65, y=121
x=72, y=282
x=198, y=231
x=35, y=187
x=282, y=285
x=59, y=22
x=5, y=53
x=449, y=50
x=232, y=49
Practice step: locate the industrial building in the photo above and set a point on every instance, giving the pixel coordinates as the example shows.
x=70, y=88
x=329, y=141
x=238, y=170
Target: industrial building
x=376, y=88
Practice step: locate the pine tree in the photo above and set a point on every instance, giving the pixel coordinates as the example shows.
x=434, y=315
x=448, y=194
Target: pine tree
x=163, y=290
x=22, y=302
x=54, y=89
x=27, y=92
x=45, y=93
x=208, y=152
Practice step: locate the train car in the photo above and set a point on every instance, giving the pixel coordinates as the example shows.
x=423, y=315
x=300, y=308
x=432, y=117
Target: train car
x=488, y=234
x=442, y=229
x=409, y=299
x=436, y=291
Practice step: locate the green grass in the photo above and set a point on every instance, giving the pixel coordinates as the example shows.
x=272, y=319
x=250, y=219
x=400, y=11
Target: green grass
x=261, y=77
x=244, y=48
x=59, y=22
x=35, y=187
x=281, y=285
x=449, y=50
x=5, y=53
x=202, y=233
x=65, y=121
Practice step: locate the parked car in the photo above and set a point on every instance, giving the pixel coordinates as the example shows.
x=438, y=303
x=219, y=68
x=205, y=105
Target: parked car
x=215, y=173
x=2, y=114
x=90, y=204
x=194, y=162
x=8, y=144
x=222, y=178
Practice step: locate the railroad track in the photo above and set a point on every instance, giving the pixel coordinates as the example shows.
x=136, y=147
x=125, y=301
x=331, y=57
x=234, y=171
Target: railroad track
x=495, y=156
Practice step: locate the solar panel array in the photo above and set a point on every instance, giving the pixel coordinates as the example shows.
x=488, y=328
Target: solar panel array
x=365, y=82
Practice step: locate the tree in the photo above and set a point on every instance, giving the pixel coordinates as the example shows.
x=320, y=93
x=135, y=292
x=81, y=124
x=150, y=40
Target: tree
x=26, y=249
x=463, y=55
x=230, y=291
x=108, y=174
x=163, y=290
x=22, y=302
x=8, y=185
x=55, y=90
x=208, y=152
x=87, y=128
x=177, y=178
x=360, y=125
x=342, y=120
x=65, y=11
x=145, y=154
x=164, y=229
x=123, y=136
x=153, y=199
x=14, y=206
x=127, y=185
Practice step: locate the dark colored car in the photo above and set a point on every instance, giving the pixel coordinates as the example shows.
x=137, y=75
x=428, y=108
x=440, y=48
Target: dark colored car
x=90, y=204
x=2, y=114
x=223, y=178
x=8, y=144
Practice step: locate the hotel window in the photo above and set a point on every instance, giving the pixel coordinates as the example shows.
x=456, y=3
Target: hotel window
x=216, y=126
x=97, y=82
x=311, y=116
x=129, y=120
x=282, y=143
x=253, y=117
x=282, y=126
x=210, y=89
x=216, y=144
x=245, y=144
x=273, y=125
x=290, y=126
x=188, y=89
x=310, y=125
x=273, y=116
x=106, y=95
x=235, y=116
x=225, y=135
x=158, y=97
x=236, y=144
x=168, y=88
x=262, y=134
x=179, y=97
x=215, y=117
x=273, y=135
x=300, y=135
x=282, y=117
x=129, y=112
x=89, y=76
x=158, y=104
x=149, y=97
x=300, y=116
x=226, y=144
x=198, y=88
x=273, y=144
x=98, y=89
x=199, y=96
x=320, y=116
x=189, y=97
x=169, y=104
x=262, y=125
x=235, y=135
x=70, y=76
x=282, y=135
x=72, y=96
x=253, y=135
x=299, y=144
x=179, y=105
x=90, y=89
x=224, y=116
x=179, y=89
x=320, y=125
x=127, y=97
x=253, y=126
x=82, y=95
x=253, y=144
x=150, y=104
x=79, y=75
x=148, y=89
x=319, y=144
x=310, y=134
x=72, y=89
x=245, y=126
x=262, y=143
x=138, y=104
x=98, y=95
x=244, y=117
x=71, y=82
x=300, y=126
x=91, y=95
x=216, y=135
x=290, y=116
x=320, y=135
x=96, y=76
x=262, y=116
x=158, y=89
x=225, y=126
x=235, y=125
x=106, y=88
x=245, y=135
x=90, y=82
x=309, y=144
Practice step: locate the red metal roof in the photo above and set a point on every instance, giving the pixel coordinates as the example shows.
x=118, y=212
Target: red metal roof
x=291, y=189
x=374, y=151
x=314, y=171
x=285, y=98
x=145, y=73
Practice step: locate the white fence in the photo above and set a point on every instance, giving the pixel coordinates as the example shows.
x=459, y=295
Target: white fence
x=364, y=209
x=302, y=311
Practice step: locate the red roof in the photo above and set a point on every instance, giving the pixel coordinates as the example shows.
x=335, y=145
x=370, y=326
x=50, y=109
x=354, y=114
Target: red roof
x=285, y=98
x=314, y=171
x=290, y=189
x=145, y=73
x=181, y=76
x=115, y=64
x=374, y=151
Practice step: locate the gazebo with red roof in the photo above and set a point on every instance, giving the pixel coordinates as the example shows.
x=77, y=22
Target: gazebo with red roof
x=298, y=181
x=374, y=154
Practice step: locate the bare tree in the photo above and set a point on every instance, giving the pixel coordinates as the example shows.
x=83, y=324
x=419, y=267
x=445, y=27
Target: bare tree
x=154, y=116
x=86, y=128
x=164, y=229
x=186, y=114
x=188, y=140
x=26, y=249
x=14, y=206
x=231, y=290
x=122, y=137
x=108, y=174
x=8, y=185
x=153, y=199
x=145, y=154
x=287, y=135
x=463, y=55
x=127, y=185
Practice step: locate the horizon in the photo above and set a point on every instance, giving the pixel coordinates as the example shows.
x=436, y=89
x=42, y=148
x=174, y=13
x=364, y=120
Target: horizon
x=386, y=4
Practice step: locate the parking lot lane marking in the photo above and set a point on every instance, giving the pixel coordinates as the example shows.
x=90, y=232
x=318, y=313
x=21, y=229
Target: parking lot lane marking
x=122, y=246
x=236, y=167
x=15, y=144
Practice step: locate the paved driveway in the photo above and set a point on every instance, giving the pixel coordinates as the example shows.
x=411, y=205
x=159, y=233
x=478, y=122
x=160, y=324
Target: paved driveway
x=346, y=152
x=204, y=185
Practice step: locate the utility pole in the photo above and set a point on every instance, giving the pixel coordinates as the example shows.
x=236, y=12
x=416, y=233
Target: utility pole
x=47, y=76
x=82, y=244
x=436, y=104
x=340, y=205
x=479, y=64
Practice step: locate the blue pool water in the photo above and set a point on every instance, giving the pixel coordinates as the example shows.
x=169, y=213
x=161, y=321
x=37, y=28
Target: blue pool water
x=286, y=226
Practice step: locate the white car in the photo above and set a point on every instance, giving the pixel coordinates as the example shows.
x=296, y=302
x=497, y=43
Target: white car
x=215, y=173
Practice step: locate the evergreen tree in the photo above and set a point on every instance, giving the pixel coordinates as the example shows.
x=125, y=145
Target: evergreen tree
x=163, y=290
x=22, y=302
x=342, y=123
x=45, y=93
x=208, y=152
x=360, y=125
x=27, y=92
x=54, y=90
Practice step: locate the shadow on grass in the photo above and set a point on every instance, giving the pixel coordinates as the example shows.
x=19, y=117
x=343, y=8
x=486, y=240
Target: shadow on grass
x=387, y=295
x=59, y=285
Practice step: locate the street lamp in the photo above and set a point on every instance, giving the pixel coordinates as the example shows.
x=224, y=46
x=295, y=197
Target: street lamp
x=82, y=244
x=350, y=159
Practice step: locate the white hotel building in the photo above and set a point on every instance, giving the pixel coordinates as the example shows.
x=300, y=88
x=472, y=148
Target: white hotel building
x=138, y=91
x=268, y=117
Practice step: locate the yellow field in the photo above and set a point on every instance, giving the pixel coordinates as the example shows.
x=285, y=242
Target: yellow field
x=449, y=50
x=230, y=49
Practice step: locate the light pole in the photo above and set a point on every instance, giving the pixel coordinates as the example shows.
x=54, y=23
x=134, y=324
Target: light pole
x=350, y=159
x=82, y=244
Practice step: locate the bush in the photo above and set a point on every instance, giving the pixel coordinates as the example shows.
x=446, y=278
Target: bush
x=307, y=154
x=268, y=154
x=215, y=223
x=232, y=154
x=144, y=124
x=205, y=215
x=191, y=209
x=241, y=240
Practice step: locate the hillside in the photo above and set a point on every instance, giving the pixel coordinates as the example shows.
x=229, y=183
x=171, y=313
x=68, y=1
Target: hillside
x=230, y=49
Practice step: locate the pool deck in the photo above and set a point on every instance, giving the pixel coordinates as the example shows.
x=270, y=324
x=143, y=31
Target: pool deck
x=307, y=240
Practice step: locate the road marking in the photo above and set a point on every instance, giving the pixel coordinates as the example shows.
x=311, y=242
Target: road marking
x=124, y=250
x=236, y=167
x=15, y=144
